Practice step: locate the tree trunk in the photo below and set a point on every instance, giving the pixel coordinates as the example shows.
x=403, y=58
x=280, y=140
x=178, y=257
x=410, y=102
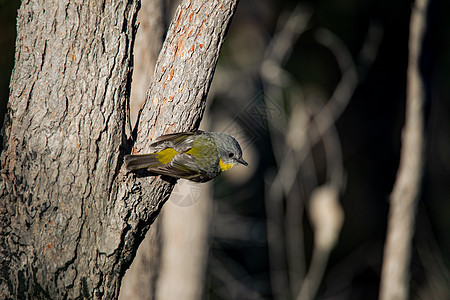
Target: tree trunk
x=71, y=219
x=185, y=224
x=149, y=38
x=139, y=281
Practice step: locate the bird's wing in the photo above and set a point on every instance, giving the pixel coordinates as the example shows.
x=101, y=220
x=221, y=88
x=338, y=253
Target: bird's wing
x=183, y=165
x=181, y=141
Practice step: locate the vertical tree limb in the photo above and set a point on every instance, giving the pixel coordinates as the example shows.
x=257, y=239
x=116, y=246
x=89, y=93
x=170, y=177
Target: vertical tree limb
x=176, y=98
x=62, y=140
x=140, y=279
x=397, y=252
x=71, y=221
x=149, y=38
x=185, y=233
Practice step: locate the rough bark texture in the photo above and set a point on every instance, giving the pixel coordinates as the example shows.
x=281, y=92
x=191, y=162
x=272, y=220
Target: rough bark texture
x=71, y=221
x=149, y=39
x=139, y=281
x=184, y=70
x=62, y=140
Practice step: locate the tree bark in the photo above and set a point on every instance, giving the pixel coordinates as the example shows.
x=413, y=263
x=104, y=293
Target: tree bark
x=150, y=36
x=71, y=219
x=140, y=279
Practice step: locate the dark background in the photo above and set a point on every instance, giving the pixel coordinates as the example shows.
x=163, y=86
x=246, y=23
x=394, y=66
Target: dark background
x=370, y=135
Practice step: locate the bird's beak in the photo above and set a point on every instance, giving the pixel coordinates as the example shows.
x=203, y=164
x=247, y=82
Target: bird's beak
x=242, y=161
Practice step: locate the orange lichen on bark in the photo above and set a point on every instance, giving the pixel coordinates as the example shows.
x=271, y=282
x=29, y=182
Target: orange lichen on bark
x=201, y=28
x=179, y=46
x=153, y=133
x=179, y=18
x=169, y=128
x=46, y=247
x=72, y=54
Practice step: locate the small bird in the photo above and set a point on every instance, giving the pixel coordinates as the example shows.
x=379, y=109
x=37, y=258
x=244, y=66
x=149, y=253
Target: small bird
x=197, y=156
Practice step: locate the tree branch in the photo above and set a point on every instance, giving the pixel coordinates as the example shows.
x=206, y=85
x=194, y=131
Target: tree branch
x=175, y=101
x=70, y=219
x=397, y=252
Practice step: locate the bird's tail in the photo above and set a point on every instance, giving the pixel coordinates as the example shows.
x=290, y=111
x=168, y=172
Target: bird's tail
x=141, y=161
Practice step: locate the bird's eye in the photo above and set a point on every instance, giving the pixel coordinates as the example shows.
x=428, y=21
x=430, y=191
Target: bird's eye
x=230, y=155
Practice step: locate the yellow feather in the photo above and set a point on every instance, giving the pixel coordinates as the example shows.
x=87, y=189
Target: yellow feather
x=193, y=151
x=166, y=155
x=224, y=166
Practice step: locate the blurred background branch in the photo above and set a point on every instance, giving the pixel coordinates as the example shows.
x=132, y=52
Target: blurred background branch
x=398, y=249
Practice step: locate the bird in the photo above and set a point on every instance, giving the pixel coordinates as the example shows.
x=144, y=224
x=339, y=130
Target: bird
x=198, y=156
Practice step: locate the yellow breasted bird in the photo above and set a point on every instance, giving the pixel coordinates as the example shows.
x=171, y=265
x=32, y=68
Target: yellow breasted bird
x=197, y=156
